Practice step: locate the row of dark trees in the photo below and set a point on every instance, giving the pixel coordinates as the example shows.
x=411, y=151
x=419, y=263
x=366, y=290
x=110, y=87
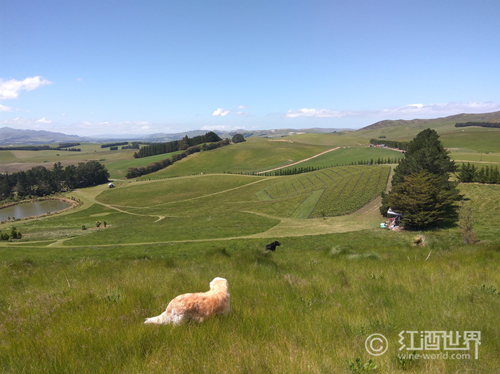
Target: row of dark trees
x=177, y=145
x=479, y=124
x=391, y=143
x=468, y=173
x=116, y=144
x=134, y=145
x=60, y=147
x=40, y=181
x=155, y=166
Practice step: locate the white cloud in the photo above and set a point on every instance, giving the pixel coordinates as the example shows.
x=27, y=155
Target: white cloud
x=4, y=108
x=318, y=113
x=221, y=128
x=106, y=127
x=419, y=109
x=10, y=89
x=241, y=113
x=22, y=123
x=44, y=121
x=220, y=112
x=443, y=109
x=242, y=107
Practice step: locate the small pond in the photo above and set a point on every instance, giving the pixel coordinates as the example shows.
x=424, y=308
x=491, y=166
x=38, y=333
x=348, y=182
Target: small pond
x=36, y=208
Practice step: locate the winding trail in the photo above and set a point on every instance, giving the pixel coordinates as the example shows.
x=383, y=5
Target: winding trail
x=365, y=218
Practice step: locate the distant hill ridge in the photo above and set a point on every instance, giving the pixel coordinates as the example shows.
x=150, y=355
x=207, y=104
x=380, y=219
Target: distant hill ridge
x=463, y=117
x=9, y=136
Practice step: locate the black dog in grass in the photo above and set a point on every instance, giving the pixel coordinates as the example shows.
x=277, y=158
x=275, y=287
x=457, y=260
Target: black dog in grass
x=272, y=246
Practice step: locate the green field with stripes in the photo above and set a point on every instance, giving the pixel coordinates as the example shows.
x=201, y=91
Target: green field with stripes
x=331, y=192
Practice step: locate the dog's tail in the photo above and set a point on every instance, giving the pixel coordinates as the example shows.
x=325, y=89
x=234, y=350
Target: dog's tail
x=162, y=319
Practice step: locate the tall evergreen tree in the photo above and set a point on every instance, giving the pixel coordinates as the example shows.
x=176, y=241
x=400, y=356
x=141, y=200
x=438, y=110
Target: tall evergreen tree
x=425, y=152
x=425, y=167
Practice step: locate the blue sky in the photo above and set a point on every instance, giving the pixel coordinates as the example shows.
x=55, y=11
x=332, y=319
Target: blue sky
x=121, y=67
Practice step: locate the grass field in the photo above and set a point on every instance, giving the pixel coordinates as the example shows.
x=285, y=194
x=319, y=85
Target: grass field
x=309, y=307
x=256, y=154
x=348, y=155
x=74, y=300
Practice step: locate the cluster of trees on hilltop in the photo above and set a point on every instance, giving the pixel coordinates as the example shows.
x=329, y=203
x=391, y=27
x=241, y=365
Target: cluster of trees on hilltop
x=40, y=181
x=155, y=166
x=470, y=174
x=238, y=138
x=479, y=124
x=421, y=189
x=134, y=145
x=177, y=145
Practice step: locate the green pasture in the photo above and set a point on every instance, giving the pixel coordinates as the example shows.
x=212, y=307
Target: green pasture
x=407, y=132
x=349, y=155
x=208, y=206
x=308, y=307
x=74, y=301
x=14, y=161
x=472, y=140
x=118, y=168
x=260, y=154
x=7, y=157
x=331, y=140
x=256, y=154
x=344, y=189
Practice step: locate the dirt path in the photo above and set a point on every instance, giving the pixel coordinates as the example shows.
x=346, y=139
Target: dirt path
x=298, y=162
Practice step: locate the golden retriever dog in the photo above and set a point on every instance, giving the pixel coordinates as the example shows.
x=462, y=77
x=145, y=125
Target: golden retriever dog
x=196, y=306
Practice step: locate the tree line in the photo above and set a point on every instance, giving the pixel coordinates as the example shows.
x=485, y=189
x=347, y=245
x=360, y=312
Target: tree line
x=40, y=181
x=155, y=166
x=391, y=143
x=177, y=145
x=479, y=124
x=60, y=147
x=470, y=174
x=116, y=144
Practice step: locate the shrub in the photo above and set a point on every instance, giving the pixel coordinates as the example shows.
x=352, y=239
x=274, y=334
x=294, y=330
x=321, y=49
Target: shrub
x=466, y=223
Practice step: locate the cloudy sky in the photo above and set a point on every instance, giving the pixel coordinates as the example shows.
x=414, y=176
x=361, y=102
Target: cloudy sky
x=139, y=67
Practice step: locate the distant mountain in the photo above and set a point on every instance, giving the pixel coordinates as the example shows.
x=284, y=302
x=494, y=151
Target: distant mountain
x=480, y=117
x=10, y=136
x=162, y=137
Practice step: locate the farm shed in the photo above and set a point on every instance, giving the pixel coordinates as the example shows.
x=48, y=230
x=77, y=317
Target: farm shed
x=393, y=218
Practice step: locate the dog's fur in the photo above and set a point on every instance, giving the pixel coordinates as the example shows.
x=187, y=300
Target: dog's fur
x=272, y=246
x=196, y=306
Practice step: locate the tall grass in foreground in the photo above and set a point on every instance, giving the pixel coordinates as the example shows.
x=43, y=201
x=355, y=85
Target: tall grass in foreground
x=307, y=308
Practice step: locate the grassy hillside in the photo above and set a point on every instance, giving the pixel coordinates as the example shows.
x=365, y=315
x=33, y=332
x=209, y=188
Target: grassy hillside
x=255, y=154
x=349, y=155
x=209, y=206
x=74, y=300
x=403, y=129
x=309, y=307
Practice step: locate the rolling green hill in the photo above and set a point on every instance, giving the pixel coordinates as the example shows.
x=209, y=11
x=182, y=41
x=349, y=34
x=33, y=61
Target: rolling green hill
x=404, y=129
x=74, y=300
x=254, y=155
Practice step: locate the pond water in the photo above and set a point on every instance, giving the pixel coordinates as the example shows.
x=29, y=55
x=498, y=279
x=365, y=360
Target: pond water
x=36, y=208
